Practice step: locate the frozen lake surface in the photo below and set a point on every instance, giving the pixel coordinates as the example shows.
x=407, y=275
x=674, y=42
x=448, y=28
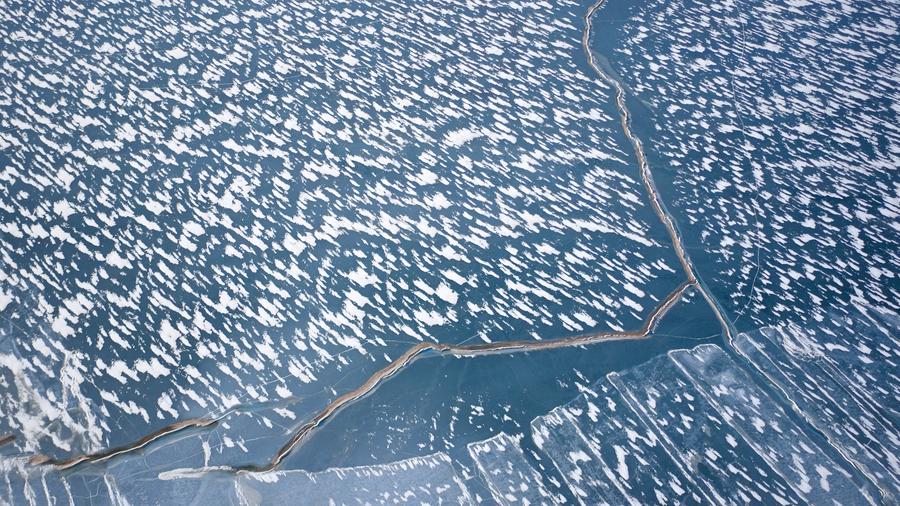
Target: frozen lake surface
x=222, y=217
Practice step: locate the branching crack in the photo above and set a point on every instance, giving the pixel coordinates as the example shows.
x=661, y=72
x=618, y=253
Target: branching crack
x=462, y=350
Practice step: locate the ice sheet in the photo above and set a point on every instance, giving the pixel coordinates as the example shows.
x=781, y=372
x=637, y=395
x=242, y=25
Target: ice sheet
x=642, y=469
x=768, y=429
x=511, y=478
x=698, y=437
x=810, y=384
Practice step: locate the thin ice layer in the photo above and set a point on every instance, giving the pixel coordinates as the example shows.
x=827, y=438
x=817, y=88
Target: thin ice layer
x=698, y=437
x=586, y=475
x=24, y=484
x=810, y=385
x=863, y=353
x=643, y=471
x=512, y=480
x=767, y=427
x=421, y=480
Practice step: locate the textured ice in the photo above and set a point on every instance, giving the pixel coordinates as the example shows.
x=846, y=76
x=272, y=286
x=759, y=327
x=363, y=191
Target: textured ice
x=690, y=427
x=636, y=468
x=777, y=123
x=861, y=352
x=862, y=431
x=24, y=484
x=842, y=376
x=424, y=480
x=510, y=477
x=699, y=437
x=695, y=426
x=586, y=475
x=768, y=429
x=239, y=203
x=242, y=209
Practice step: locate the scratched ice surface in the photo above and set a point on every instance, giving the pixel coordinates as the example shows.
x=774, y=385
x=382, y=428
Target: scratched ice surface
x=25, y=484
x=510, y=477
x=255, y=205
x=600, y=428
x=691, y=426
x=699, y=437
x=767, y=428
x=774, y=127
x=699, y=425
x=424, y=480
x=584, y=474
x=793, y=361
x=863, y=350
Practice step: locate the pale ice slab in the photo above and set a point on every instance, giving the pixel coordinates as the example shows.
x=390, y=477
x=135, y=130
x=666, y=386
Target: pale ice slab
x=768, y=429
x=699, y=437
x=511, y=478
